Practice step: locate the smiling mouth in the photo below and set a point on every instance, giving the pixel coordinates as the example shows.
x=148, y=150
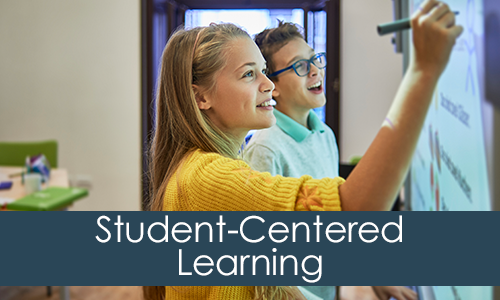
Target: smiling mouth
x=267, y=103
x=315, y=87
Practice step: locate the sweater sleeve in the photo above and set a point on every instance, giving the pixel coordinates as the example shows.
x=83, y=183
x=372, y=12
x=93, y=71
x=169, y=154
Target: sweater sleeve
x=212, y=182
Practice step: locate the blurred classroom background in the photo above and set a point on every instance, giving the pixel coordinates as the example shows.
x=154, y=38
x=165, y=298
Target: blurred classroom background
x=82, y=72
x=73, y=71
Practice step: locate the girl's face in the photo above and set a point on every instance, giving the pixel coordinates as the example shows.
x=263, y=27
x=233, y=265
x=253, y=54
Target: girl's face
x=240, y=99
x=294, y=91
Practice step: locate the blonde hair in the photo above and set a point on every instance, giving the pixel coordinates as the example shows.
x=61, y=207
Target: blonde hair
x=191, y=57
x=180, y=125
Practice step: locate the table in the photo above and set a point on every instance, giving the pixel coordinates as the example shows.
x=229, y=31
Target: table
x=58, y=177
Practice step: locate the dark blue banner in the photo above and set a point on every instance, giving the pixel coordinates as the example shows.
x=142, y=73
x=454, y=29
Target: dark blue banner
x=250, y=248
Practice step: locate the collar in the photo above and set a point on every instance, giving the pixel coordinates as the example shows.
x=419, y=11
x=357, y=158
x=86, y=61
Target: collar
x=294, y=129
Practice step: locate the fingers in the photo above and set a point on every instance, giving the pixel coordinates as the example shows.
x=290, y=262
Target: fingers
x=409, y=294
x=425, y=8
x=396, y=292
x=430, y=12
x=438, y=11
x=441, y=14
x=398, y=295
x=434, y=34
x=379, y=294
x=456, y=31
x=447, y=20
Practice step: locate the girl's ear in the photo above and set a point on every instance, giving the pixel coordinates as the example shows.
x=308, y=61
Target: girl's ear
x=203, y=103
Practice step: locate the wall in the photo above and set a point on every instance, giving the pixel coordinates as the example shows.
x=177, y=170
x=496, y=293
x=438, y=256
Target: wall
x=370, y=73
x=70, y=70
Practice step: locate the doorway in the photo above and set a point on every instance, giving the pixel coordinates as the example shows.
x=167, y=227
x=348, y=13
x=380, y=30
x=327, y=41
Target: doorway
x=160, y=18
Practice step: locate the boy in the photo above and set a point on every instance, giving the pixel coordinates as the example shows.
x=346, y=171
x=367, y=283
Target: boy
x=299, y=140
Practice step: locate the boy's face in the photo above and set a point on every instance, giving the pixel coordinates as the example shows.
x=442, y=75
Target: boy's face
x=293, y=91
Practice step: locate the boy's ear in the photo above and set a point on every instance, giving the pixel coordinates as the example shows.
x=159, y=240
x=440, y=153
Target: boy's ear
x=201, y=100
x=275, y=93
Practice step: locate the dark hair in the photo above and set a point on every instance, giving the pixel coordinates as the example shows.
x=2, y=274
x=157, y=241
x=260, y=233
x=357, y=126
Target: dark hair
x=272, y=40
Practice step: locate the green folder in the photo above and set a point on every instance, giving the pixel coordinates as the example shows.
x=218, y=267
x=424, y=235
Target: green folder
x=51, y=198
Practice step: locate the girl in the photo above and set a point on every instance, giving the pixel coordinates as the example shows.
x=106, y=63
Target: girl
x=213, y=90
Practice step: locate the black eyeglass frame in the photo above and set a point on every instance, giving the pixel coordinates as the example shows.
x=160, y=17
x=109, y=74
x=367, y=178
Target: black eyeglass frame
x=309, y=62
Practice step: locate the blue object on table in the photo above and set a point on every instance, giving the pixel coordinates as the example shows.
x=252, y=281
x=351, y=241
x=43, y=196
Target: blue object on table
x=5, y=185
x=38, y=164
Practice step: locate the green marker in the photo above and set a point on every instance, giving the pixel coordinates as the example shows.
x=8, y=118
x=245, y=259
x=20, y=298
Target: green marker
x=398, y=25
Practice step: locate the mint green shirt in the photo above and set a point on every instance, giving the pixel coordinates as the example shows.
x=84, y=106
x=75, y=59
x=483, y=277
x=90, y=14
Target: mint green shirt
x=290, y=149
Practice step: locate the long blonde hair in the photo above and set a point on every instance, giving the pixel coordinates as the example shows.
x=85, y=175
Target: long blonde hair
x=180, y=125
x=191, y=57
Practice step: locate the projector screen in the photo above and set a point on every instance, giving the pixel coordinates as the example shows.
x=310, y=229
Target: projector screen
x=449, y=169
x=454, y=166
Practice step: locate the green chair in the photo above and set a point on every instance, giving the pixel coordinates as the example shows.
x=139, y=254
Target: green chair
x=14, y=153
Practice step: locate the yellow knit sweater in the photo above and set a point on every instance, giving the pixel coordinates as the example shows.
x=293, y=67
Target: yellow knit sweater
x=211, y=182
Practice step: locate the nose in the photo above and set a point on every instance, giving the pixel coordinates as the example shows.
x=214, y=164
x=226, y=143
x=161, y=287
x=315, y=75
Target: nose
x=267, y=85
x=314, y=71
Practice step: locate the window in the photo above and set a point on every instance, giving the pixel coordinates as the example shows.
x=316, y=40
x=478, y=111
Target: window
x=256, y=20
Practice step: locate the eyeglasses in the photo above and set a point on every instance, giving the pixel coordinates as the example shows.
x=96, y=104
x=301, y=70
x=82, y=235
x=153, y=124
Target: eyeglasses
x=302, y=67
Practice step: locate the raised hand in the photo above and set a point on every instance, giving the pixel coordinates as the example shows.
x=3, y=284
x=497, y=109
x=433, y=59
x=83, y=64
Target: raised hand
x=434, y=34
